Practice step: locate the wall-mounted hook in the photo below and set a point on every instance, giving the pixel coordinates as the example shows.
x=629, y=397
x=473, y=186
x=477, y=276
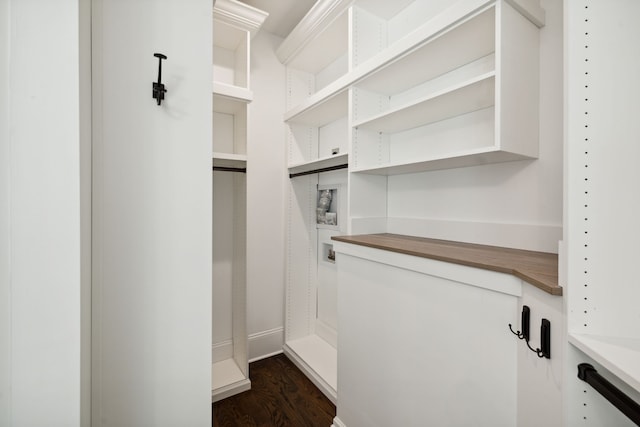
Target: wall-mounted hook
x=545, y=334
x=524, y=324
x=545, y=340
x=158, y=87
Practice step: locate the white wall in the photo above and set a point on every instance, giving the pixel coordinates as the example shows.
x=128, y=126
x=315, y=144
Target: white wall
x=42, y=205
x=266, y=199
x=525, y=193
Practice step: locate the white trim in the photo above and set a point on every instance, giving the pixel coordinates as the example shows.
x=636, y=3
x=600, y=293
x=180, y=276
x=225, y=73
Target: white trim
x=321, y=15
x=239, y=15
x=311, y=373
x=230, y=390
x=485, y=279
x=338, y=423
x=266, y=343
x=221, y=351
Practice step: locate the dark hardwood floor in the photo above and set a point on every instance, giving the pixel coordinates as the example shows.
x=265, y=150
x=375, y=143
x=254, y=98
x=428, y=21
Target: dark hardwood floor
x=280, y=396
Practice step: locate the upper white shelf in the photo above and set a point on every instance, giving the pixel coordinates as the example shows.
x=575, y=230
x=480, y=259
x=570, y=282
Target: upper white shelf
x=228, y=105
x=409, y=61
x=468, y=96
x=228, y=160
x=471, y=157
x=237, y=93
x=321, y=163
x=324, y=107
x=618, y=355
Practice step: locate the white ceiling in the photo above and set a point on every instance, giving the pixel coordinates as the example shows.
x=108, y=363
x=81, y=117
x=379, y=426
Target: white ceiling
x=283, y=14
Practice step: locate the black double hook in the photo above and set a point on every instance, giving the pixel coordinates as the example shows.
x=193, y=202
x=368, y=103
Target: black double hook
x=524, y=335
x=158, y=88
x=545, y=334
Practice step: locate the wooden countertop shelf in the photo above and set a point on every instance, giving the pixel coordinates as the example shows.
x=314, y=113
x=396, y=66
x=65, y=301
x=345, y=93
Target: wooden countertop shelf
x=537, y=268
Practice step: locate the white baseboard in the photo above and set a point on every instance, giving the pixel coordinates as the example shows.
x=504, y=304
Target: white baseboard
x=338, y=423
x=319, y=366
x=533, y=237
x=265, y=344
x=230, y=390
x=222, y=351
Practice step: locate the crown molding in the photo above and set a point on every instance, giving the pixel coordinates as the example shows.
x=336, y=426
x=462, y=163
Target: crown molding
x=314, y=22
x=239, y=15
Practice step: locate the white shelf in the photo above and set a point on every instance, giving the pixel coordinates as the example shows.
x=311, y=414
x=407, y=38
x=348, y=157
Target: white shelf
x=318, y=360
x=229, y=160
x=323, y=107
x=227, y=380
x=324, y=162
x=410, y=61
x=621, y=356
x=228, y=105
x=405, y=64
x=238, y=93
x=472, y=95
x=450, y=161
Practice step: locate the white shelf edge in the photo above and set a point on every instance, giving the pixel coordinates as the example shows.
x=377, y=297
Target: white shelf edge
x=319, y=17
x=377, y=122
x=229, y=160
x=488, y=155
x=239, y=15
x=238, y=93
x=337, y=88
x=323, y=162
x=618, y=355
x=318, y=360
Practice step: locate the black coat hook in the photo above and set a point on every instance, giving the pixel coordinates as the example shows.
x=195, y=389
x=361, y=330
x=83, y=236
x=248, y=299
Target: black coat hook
x=158, y=87
x=545, y=334
x=524, y=324
x=545, y=340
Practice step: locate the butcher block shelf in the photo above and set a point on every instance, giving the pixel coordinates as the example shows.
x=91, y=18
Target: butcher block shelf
x=539, y=269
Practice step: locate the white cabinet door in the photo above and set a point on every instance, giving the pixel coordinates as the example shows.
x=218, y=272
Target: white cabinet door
x=151, y=214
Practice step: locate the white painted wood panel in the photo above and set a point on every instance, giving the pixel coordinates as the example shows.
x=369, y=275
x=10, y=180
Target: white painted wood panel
x=266, y=200
x=44, y=211
x=602, y=207
x=152, y=215
x=5, y=222
x=416, y=349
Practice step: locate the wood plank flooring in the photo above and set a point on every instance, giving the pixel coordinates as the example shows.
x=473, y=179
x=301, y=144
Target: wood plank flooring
x=280, y=396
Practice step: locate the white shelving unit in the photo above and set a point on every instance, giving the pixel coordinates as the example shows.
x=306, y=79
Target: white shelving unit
x=393, y=87
x=602, y=229
x=446, y=101
x=233, y=25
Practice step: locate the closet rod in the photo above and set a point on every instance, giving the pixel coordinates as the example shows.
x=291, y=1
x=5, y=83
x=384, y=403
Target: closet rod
x=613, y=394
x=327, y=169
x=229, y=169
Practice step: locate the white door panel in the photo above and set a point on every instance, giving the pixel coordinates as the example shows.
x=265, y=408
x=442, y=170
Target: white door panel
x=151, y=214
